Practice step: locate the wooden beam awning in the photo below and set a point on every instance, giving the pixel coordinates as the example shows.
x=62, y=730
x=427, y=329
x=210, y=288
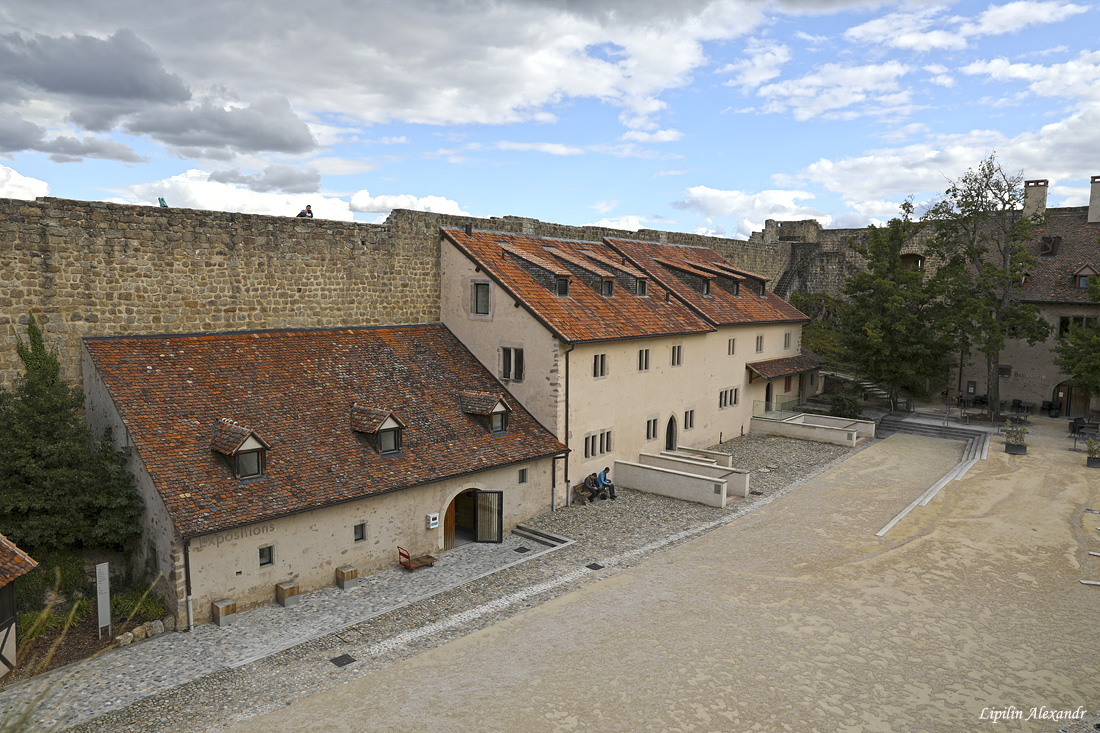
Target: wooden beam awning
x=785, y=366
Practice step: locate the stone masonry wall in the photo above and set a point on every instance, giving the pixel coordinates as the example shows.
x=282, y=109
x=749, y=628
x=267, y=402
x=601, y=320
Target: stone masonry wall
x=94, y=268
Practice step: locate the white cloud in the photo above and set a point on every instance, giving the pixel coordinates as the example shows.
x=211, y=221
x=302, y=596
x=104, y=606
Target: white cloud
x=604, y=206
x=335, y=166
x=752, y=208
x=629, y=222
x=661, y=174
x=195, y=190
x=362, y=201
x=765, y=62
x=926, y=29
x=840, y=91
x=548, y=148
x=13, y=185
x=660, y=136
x=1078, y=78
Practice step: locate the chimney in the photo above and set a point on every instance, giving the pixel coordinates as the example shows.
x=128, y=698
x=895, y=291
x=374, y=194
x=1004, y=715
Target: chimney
x=1094, y=201
x=1035, y=197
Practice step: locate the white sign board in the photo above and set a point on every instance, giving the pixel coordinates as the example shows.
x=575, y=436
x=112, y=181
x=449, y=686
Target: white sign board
x=103, y=596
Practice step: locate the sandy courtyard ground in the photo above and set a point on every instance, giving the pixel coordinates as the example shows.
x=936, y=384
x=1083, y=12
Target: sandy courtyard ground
x=797, y=618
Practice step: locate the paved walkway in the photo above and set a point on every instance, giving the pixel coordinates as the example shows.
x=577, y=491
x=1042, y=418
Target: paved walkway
x=125, y=675
x=796, y=618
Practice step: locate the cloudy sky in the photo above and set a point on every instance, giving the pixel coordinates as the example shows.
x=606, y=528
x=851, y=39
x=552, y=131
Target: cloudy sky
x=693, y=115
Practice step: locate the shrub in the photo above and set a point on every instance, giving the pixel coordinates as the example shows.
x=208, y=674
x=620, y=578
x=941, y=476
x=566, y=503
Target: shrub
x=845, y=405
x=1015, y=434
x=1093, y=447
x=61, y=572
x=138, y=604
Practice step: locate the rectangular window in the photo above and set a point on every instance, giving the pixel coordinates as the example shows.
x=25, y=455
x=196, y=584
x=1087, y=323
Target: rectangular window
x=677, y=355
x=389, y=441
x=736, y=394
x=651, y=429
x=732, y=348
x=1004, y=370
x=706, y=287
x=1083, y=282
x=359, y=531
x=813, y=379
x=787, y=384
x=727, y=397
x=511, y=364
x=249, y=463
x=498, y=422
x=759, y=343
x=689, y=419
x=598, y=444
x=608, y=288
x=787, y=340
x=267, y=555
x=599, y=365
x=480, y=299
x=642, y=288
x=643, y=360
x=563, y=286
x=522, y=478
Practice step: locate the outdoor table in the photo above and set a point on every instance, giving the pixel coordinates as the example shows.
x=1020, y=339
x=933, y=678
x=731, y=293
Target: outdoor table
x=1085, y=432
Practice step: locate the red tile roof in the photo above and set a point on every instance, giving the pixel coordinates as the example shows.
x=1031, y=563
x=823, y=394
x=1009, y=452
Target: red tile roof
x=13, y=561
x=668, y=263
x=296, y=389
x=585, y=314
x=1051, y=277
x=366, y=419
x=786, y=366
x=479, y=403
x=229, y=436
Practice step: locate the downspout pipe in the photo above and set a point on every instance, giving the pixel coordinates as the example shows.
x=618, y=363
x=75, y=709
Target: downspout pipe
x=187, y=582
x=568, y=484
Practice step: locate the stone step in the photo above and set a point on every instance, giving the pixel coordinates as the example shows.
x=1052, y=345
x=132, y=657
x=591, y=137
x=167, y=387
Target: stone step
x=537, y=535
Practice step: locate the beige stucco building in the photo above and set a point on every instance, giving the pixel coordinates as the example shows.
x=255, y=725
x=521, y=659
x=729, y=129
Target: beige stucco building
x=621, y=347
x=280, y=456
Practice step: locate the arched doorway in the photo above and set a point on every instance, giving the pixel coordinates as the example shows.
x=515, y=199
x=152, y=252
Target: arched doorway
x=1075, y=403
x=670, y=434
x=474, y=516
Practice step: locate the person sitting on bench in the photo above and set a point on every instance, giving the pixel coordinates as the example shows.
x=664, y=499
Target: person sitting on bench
x=604, y=482
x=591, y=487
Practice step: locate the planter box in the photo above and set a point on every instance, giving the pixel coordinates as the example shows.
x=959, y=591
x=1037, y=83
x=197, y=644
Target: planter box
x=1092, y=462
x=1015, y=449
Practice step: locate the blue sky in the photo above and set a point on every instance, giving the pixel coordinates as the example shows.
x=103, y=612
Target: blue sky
x=700, y=115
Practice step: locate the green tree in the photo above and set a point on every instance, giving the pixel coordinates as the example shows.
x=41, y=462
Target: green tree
x=820, y=335
x=1078, y=353
x=59, y=488
x=980, y=233
x=890, y=325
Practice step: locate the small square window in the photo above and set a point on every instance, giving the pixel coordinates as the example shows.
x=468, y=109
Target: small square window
x=562, y=286
x=498, y=422
x=359, y=531
x=267, y=555
x=480, y=300
x=249, y=463
x=608, y=288
x=642, y=288
x=389, y=441
x=522, y=478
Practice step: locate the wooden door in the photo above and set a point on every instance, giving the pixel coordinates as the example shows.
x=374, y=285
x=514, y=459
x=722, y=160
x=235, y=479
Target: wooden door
x=449, y=527
x=489, y=517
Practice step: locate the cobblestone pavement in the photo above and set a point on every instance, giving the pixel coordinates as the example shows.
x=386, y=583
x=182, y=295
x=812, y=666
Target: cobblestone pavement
x=797, y=618
x=273, y=656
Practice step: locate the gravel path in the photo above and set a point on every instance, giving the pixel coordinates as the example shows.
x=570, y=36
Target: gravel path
x=615, y=534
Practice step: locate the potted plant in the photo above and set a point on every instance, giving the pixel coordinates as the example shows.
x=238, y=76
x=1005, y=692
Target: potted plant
x=1093, y=447
x=1015, y=439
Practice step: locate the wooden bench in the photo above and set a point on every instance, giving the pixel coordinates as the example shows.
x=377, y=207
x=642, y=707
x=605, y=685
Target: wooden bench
x=412, y=563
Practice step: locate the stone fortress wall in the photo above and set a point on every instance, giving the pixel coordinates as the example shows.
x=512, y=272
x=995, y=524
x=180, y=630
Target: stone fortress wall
x=93, y=268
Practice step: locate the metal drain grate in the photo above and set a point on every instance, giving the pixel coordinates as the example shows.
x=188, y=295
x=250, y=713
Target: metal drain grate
x=523, y=549
x=594, y=566
x=343, y=660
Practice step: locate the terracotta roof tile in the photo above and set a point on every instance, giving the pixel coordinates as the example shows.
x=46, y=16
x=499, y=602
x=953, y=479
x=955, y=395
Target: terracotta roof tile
x=229, y=436
x=612, y=264
x=585, y=314
x=786, y=366
x=546, y=263
x=479, y=403
x=585, y=263
x=365, y=419
x=1051, y=277
x=295, y=388
x=13, y=561
x=673, y=265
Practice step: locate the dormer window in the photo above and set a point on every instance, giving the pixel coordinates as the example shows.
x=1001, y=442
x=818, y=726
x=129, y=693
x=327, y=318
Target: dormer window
x=1081, y=277
x=487, y=408
x=242, y=446
x=1048, y=246
x=608, y=288
x=562, y=286
x=706, y=287
x=642, y=288
x=382, y=428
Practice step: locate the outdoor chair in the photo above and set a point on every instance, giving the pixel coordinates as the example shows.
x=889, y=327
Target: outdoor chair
x=1075, y=425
